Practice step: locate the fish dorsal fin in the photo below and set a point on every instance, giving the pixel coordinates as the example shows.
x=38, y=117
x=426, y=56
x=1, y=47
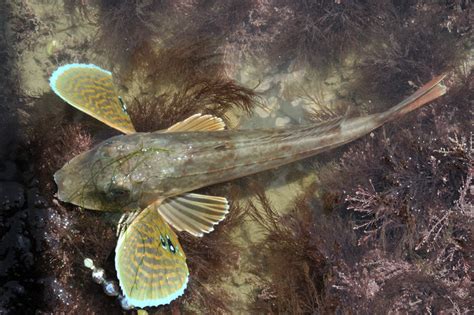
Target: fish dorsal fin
x=90, y=89
x=194, y=213
x=198, y=122
x=150, y=262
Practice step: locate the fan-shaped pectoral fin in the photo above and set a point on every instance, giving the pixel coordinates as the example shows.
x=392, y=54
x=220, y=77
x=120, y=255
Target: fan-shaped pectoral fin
x=90, y=89
x=150, y=262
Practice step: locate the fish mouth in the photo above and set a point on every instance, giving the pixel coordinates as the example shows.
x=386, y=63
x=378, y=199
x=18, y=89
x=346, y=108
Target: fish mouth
x=76, y=192
x=61, y=183
x=74, y=189
x=76, y=186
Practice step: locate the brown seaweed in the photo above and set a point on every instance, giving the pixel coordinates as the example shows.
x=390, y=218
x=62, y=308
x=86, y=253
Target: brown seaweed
x=321, y=32
x=125, y=25
x=416, y=42
x=206, y=97
x=128, y=26
x=176, y=63
x=393, y=225
x=299, y=254
x=410, y=207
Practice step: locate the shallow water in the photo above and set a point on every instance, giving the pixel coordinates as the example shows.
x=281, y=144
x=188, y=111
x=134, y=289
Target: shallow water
x=44, y=242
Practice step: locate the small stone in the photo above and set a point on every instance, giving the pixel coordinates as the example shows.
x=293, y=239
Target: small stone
x=111, y=288
x=12, y=195
x=125, y=304
x=98, y=275
x=264, y=86
x=333, y=79
x=89, y=263
x=296, y=103
x=262, y=112
x=35, y=199
x=282, y=121
x=273, y=103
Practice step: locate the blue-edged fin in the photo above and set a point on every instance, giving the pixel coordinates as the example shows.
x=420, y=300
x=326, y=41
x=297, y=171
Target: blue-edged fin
x=150, y=262
x=194, y=213
x=90, y=89
x=198, y=122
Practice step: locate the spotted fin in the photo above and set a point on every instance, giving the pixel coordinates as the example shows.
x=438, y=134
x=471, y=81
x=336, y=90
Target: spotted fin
x=194, y=213
x=198, y=122
x=90, y=89
x=150, y=262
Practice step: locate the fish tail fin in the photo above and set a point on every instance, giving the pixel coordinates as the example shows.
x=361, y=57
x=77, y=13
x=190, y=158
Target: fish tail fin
x=427, y=93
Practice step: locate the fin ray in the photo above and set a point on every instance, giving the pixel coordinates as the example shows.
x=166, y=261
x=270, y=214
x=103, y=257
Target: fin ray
x=150, y=263
x=198, y=122
x=90, y=89
x=194, y=213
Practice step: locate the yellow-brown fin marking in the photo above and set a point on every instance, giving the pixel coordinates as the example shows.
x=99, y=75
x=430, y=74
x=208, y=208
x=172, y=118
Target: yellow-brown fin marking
x=194, y=213
x=150, y=262
x=90, y=89
x=198, y=122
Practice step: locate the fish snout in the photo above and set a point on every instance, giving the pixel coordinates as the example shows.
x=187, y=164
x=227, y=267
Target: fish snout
x=62, y=182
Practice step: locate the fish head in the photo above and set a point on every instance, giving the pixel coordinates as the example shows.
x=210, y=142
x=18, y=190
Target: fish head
x=101, y=178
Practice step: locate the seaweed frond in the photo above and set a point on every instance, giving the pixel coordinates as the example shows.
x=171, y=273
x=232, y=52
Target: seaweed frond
x=53, y=147
x=206, y=97
x=177, y=62
x=302, y=249
x=414, y=45
x=323, y=32
x=211, y=258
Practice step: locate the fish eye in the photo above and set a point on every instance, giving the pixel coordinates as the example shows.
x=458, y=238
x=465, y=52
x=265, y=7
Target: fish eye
x=118, y=192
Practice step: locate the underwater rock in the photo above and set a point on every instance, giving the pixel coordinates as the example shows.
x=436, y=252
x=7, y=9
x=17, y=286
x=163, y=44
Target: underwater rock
x=8, y=171
x=12, y=195
x=18, y=249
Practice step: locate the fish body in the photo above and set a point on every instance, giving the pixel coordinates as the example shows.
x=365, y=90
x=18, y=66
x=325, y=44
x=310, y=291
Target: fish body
x=144, y=167
x=131, y=171
x=152, y=175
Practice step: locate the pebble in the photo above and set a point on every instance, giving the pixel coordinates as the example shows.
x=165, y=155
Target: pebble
x=98, y=275
x=124, y=303
x=111, y=288
x=264, y=86
x=12, y=195
x=88, y=263
x=333, y=79
x=262, y=112
x=282, y=121
x=297, y=102
x=274, y=103
x=35, y=199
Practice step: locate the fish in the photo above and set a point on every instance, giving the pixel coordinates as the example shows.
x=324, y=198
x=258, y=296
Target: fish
x=152, y=176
